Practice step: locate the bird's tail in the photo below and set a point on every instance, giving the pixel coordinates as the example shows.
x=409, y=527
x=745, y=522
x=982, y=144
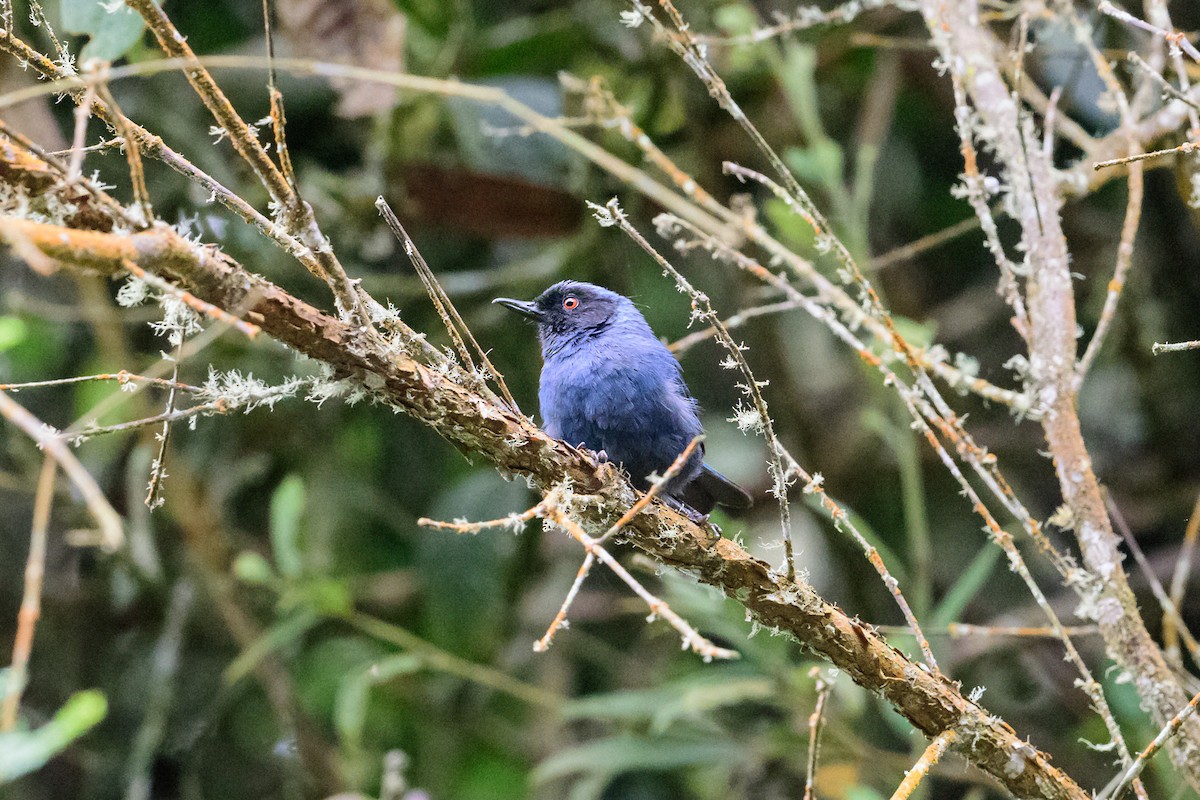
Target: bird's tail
x=711, y=488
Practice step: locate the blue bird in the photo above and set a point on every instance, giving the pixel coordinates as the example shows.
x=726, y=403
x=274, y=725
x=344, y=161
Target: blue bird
x=610, y=385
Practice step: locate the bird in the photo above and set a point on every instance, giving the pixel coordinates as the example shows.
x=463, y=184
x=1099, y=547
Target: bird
x=609, y=384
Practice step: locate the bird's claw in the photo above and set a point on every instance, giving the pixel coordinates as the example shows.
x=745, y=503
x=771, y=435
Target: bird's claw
x=692, y=514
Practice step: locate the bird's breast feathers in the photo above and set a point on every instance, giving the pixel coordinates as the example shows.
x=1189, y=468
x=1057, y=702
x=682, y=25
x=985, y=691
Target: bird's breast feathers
x=592, y=398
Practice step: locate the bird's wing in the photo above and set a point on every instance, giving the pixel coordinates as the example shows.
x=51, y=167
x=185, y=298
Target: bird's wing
x=710, y=488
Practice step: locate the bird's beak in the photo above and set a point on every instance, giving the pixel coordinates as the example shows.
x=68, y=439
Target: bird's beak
x=523, y=307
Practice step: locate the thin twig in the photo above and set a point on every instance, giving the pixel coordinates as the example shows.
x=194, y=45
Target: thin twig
x=1174, y=347
x=560, y=619
x=121, y=377
x=1169, y=609
x=83, y=112
x=933, y=753
x=1179, y=581
x=958, y=630
x=1154, y=75
x=158, y=471
x=219, y=406
x=111, y=534
x=736, y=321
x=451, y=319
x=31, y=600
x=816, y=723
x=1185, y=148
x=278, y=120
x=1118, y=785
x=1133, y=202
x=656, y=487
x=248, y=329
x=908, y=252
x=1173, y=37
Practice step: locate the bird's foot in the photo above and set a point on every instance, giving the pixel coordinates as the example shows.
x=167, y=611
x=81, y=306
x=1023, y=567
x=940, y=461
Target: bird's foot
x=601, y=456
x=689, y=512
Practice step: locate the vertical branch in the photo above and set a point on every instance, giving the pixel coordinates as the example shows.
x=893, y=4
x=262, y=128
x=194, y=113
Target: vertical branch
x=83, y=111
x=1179, y=581
x=1035, y=197
x=158, y=470
x=1135, y=191
x=31, y=600
x=137, y=176
x=816, y=723
x=278, y=121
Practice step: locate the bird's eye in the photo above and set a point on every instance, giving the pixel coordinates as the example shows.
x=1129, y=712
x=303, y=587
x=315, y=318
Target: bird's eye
x=571, y=303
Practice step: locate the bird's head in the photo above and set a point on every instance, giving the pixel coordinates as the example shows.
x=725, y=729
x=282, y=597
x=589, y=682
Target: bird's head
x=569, y=309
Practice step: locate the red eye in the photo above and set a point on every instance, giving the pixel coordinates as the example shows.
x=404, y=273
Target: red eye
x=571, y=303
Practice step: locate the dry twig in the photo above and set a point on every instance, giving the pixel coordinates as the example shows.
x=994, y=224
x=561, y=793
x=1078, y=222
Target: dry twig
x=31, y=600
x=111, y=533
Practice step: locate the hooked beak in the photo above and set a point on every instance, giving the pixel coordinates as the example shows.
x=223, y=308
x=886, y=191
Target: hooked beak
x=525, y=308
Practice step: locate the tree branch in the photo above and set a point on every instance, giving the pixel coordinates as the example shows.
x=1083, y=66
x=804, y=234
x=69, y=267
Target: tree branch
x=478, y=423
x=1036, y=197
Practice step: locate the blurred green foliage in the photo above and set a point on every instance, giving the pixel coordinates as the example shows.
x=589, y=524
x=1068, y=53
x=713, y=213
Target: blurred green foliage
x=331, y=630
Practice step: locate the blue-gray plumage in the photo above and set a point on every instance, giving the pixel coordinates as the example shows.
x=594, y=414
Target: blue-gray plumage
x=610, y=385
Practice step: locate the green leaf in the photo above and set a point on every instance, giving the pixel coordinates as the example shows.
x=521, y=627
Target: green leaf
x=735, y=20
x=966, y=587
x=250, y=567
x=862, y=793
x=627, y=753
x=464, y=604
x=287, y=507
x=820, y=163
x=689, y=698
x=25, y=751
x=280, y=635
x=12, y=332
x=894, y=563
x=350, y=709
x=111, y=33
